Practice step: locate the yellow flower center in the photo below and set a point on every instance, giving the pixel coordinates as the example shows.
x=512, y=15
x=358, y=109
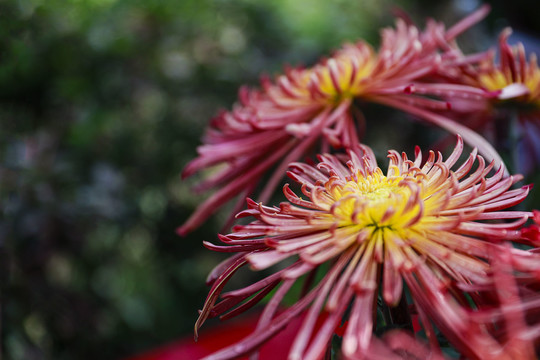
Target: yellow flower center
x=376, y=200
x=350, y=69
x=493, y=81
x=497, y=80
x=341, y=77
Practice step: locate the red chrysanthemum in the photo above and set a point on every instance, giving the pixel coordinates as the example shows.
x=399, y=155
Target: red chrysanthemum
x=515, y=83
x=358, y=231
x=275, y=125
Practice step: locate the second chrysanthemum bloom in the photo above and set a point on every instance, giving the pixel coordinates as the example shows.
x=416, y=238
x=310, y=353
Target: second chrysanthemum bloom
x=420, y=223
x=312, y=108
x=511, y=119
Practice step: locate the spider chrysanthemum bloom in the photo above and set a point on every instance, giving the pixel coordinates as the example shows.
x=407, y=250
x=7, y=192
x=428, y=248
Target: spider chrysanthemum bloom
x=312, y=107
x=515, y=80
x=514, y=76
x=420, y=224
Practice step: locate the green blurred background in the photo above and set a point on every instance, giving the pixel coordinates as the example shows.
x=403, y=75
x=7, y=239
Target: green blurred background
x=102, y=103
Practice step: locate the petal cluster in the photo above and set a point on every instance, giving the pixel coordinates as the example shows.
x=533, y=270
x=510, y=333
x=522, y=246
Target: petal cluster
x=355, y=230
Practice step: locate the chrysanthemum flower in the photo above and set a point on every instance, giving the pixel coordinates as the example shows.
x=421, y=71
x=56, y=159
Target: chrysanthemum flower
x=514, y=77
x=362, y=232
x=516, y=83
x=519, y=83
x=309, y=107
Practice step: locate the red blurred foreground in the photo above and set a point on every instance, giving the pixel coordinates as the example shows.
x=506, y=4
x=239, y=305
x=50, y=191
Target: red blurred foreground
x=217, y=337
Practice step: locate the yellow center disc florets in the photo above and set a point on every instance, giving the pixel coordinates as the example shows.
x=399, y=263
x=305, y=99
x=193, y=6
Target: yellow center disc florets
x=376, y=200
x=497, y=80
